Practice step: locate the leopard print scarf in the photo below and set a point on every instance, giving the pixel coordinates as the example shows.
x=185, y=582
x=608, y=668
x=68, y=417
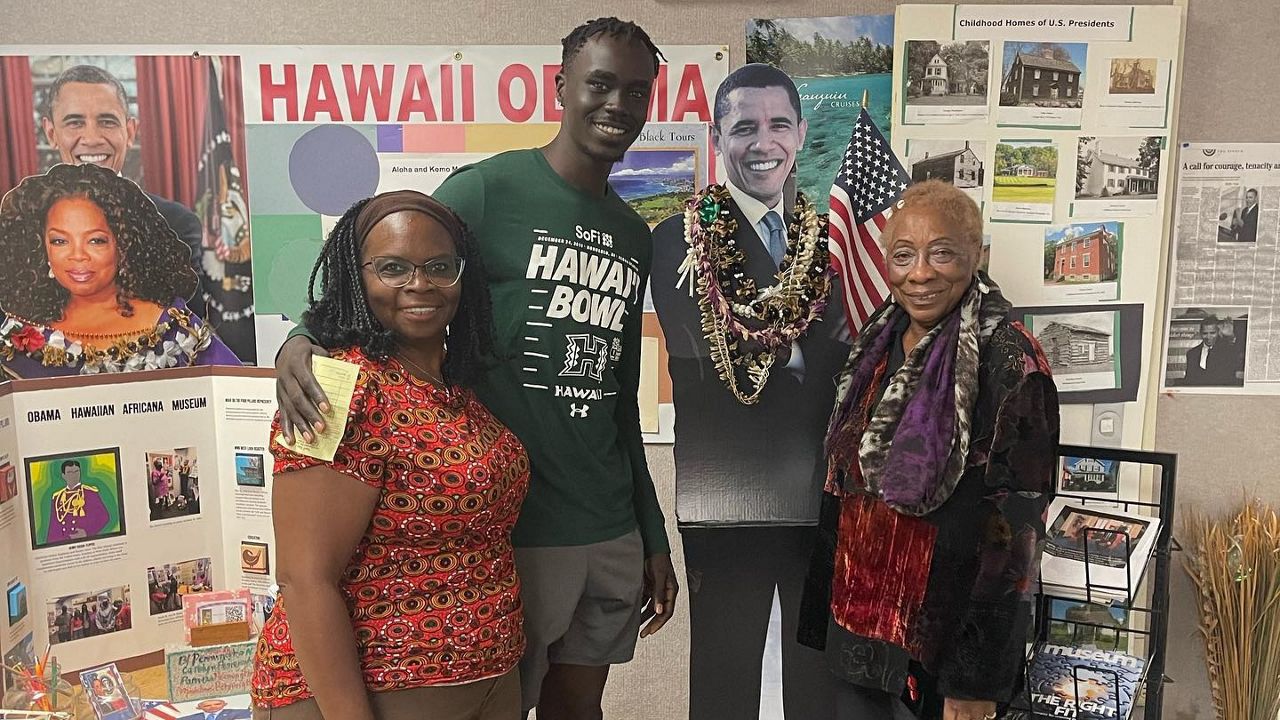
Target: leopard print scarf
x=914, y=446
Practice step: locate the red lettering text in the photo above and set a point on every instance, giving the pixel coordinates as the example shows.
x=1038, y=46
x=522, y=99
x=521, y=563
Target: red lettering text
x=286, y=90
x=468, y=93
x=321, y=97
x=416, y=97
x=358, y=94
x=446, y=93
x=658, y=99
x=509, y=75
x=551, y=110
x=691, y=97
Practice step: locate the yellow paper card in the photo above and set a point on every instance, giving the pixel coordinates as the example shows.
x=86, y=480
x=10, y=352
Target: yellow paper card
x=338, y=380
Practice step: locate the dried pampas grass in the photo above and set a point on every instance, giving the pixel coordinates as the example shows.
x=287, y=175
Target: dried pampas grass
x=1235, y=565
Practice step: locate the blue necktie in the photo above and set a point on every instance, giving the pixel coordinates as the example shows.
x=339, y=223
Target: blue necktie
x=775, y=236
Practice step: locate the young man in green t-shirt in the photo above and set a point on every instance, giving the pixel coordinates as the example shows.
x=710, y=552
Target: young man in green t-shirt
x=567, y=262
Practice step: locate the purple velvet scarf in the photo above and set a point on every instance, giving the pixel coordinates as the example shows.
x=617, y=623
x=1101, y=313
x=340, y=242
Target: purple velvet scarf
x=912, y=447
x=926, y=431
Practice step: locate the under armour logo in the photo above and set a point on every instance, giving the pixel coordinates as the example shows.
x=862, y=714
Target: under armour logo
x=576, y=410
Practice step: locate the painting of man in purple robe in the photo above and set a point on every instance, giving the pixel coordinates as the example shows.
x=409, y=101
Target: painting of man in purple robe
x=76, y=512
x=75, y=497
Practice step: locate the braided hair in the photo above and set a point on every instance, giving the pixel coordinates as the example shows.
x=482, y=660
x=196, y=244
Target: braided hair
x=152, y=264
x=613, y=27
x=341, y=316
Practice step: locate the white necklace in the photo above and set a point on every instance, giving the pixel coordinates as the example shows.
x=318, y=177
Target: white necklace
x=437, y=380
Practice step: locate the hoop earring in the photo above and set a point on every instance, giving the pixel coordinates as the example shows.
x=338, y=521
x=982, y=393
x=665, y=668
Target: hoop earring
x=50, y=270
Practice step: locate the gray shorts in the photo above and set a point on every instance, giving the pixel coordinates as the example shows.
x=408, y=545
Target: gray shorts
x=581, y=606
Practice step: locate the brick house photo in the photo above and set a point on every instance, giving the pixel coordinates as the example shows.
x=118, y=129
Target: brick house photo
x=1082, y=254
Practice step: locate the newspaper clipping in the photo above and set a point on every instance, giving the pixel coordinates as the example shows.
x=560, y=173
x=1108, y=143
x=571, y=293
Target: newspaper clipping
x=1223, y=334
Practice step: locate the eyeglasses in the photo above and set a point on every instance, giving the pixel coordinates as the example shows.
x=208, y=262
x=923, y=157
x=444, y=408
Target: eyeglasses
x=938, y=257
x=443, y=272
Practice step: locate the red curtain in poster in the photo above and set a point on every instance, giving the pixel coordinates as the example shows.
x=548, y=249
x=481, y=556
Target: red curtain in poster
x=171, y=93
x=17, y=123
x=233, y=106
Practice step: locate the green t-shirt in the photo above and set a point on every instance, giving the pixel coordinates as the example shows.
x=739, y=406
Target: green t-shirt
x=567, y=272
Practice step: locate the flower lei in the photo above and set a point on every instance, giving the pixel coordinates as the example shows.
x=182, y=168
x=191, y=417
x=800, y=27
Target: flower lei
x=143, y=351
x=746, y=328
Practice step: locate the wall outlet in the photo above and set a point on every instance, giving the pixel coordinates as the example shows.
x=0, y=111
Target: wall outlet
x=1108, y=425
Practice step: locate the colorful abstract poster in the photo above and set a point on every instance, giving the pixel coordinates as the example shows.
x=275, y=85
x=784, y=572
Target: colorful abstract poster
x=833, y=61
x=173, y=124
x=327, y=126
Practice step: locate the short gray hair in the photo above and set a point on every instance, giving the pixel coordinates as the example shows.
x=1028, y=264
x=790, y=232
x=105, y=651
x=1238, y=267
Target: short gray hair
x=947, y=199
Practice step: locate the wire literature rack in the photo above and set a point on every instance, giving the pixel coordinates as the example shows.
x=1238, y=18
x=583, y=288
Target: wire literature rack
x=1147, y=621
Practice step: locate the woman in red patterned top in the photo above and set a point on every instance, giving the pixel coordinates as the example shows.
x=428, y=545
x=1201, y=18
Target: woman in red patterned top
x=398, y=589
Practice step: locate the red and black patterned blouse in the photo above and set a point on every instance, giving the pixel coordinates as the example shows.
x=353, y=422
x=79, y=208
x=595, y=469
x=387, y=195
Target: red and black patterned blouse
x=432, y=587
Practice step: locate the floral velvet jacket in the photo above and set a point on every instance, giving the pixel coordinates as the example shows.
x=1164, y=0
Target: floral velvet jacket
x=971, y=629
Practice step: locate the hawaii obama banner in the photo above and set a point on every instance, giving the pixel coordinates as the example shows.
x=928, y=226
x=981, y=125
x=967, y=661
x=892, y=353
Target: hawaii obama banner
x=327, y=126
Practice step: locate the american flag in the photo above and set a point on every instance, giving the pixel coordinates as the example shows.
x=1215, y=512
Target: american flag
x=867, y=186
x=161, y=711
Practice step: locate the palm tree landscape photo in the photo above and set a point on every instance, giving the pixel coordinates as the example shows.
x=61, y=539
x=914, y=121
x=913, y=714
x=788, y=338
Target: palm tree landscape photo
x=833, y=61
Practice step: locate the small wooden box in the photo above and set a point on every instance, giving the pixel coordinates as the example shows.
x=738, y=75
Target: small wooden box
x=219, y=633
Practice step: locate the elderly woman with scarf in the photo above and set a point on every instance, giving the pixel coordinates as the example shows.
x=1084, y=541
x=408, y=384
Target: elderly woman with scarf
x=941, y=453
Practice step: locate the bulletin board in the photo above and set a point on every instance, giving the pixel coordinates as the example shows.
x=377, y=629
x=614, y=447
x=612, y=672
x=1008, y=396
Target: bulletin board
x=1224, y=102
x=1058, y=121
